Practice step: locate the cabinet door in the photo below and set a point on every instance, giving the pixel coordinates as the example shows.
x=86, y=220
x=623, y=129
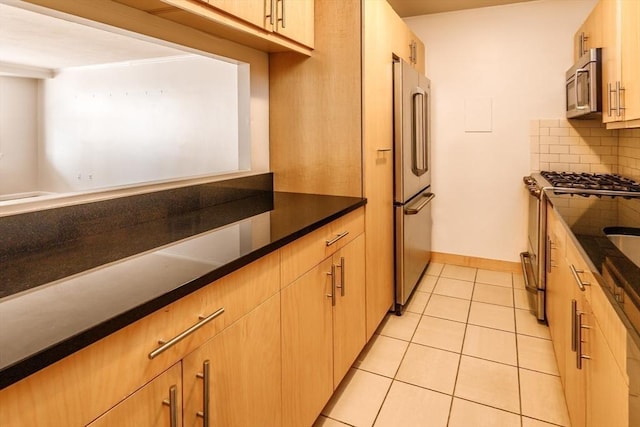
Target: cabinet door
x=630, y=56
x=557, y=298
x=159, y=403
x=589, y=35
x=244, y=373
x=349, y=332
x=307, y=349
x=611, y=69
x=252, y=11
x=607, y=389
x=294, y=20
x=621, y=60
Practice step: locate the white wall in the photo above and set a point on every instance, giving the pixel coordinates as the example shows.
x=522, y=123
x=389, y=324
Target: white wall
x=515, y=56
x=18, y=135
x=138, y=122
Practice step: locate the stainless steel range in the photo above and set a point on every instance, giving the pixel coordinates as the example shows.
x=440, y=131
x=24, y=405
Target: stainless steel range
x=579, y=184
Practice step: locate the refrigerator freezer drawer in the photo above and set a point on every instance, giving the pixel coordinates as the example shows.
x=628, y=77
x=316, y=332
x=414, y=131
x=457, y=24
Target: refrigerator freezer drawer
x=413, y=244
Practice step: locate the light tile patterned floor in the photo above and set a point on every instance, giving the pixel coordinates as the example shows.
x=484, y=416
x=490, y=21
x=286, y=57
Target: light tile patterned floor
x=466, y=353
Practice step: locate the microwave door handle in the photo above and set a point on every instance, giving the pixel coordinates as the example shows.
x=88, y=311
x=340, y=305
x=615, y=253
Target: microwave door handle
x=575, y=87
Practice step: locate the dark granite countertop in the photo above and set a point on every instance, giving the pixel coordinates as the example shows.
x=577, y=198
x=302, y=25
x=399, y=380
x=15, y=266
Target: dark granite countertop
x=587, y=217
x=62, y=295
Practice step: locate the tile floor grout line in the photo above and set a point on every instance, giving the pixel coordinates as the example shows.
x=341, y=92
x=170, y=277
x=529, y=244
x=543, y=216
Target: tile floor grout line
x=455, y=382
x=421, y=317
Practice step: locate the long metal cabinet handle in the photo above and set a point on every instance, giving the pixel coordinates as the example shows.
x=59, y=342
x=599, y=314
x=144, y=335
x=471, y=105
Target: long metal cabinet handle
x=182, y=335
x=338, y=237
x=609, y=91
x=172, y=403
x=548, y=254
x=579, y=356
x=574, y=323
x=579, y=281
x=419, y=138
x=206, y=397
x=575, y=86
x=619, y=107
x=414, y=209
x=282, y=18
x=583, y=43
x=271, y=11
x=341, y=266
x=332, y=295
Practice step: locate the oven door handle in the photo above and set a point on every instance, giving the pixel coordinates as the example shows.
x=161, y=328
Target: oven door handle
x=416, y=207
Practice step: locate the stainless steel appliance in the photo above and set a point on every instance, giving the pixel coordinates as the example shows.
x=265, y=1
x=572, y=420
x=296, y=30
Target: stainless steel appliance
x=534, y=260
x=584, y=86
x=412, y=178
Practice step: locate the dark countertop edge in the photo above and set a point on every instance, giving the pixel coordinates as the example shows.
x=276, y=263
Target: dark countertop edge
x=631, y=331
x=42, y=359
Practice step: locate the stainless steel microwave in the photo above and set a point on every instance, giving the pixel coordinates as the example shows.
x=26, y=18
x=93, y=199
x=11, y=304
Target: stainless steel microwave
x=583, y=88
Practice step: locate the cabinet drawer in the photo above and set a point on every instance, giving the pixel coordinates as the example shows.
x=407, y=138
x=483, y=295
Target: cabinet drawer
x=300, y=256
x=78, y=388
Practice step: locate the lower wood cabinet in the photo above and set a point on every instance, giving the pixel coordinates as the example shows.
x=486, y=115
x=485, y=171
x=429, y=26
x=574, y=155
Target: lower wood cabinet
x=239, y=372
x=232, y=380
x=272, y=358
x=596, y=387
x=159, y=403
x=323, y=331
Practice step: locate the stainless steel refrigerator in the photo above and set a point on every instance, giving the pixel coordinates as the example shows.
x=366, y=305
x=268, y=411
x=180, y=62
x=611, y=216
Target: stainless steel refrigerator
x=412, y=178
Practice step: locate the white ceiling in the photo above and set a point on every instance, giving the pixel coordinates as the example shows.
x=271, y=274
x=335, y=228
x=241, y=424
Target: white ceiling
x=32, y=39
x=406, y=8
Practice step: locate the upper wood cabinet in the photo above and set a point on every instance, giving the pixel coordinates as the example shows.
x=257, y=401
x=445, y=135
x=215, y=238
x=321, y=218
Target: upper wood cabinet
x=289, y=18
x=416, y=55
x=589, y=35
x=621, y=63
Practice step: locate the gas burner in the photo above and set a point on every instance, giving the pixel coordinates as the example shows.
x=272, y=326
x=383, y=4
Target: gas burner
x=591, y=181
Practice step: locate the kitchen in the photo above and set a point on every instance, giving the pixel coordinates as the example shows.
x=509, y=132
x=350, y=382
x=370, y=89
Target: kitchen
x=459, y=193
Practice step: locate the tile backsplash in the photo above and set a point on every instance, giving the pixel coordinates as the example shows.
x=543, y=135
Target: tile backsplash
x=584, y=146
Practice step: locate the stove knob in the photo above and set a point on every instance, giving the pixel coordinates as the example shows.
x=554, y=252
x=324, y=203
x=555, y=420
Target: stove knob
x=528, y=180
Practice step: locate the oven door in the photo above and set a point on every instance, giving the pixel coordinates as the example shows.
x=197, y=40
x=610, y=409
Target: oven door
x=533, y=260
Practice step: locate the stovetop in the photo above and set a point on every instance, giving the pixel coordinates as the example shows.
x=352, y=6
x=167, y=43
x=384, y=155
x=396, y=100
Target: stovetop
x=582, y=184
x=591, y=181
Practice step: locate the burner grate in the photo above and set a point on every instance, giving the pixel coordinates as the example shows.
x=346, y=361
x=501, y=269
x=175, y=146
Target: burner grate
x=591, y=181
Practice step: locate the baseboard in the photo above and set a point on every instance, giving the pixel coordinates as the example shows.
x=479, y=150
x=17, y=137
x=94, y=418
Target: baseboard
x=469, y=261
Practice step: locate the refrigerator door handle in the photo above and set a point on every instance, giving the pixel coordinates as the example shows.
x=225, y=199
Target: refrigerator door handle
x=416, y=207
x=418, y=134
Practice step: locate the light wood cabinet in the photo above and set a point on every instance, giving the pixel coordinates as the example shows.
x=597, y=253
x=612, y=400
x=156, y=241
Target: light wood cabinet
x=589, y=35
x=323, y=331
x=331, y=123
x=243, y=373
x=289, y=18
x=588, y=338
x=153, y=405
x=607, y=389
x=101, y=375
x=294, y=19
x=621, y=63
x=349, y=333
x=307, y=354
